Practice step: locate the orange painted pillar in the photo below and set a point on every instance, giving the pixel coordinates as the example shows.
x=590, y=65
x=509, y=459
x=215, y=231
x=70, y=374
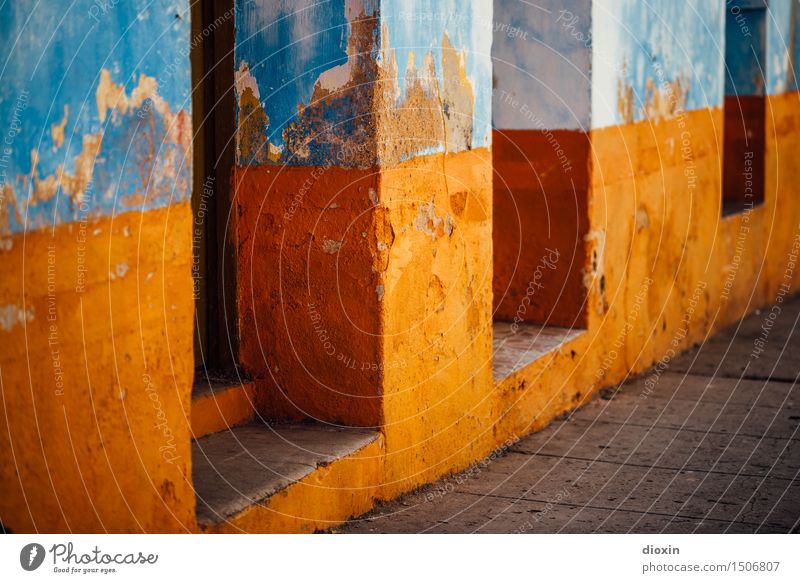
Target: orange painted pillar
x=95, y=269
x=363, y=223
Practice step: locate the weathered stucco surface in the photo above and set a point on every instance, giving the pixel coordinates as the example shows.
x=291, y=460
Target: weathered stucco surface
x=96, y=383
x=640, y=51
x=93, y=125
x=373, y=88
x=365, y=282
x=96, y=290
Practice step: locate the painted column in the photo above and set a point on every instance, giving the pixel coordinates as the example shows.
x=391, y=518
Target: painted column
x=541, y=115
x=657, y=96
x=306, y=188
x=96, y=290
x=782, y=147
x=363, y=215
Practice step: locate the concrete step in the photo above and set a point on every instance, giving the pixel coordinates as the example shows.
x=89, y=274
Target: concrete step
x=237, y=469
x=219, y=403
x=516, y=346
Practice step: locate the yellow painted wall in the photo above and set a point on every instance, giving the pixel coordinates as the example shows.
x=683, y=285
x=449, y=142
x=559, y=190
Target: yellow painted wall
x=96, y=382
x=92, y=458
x=437, y=315
x=669, y=272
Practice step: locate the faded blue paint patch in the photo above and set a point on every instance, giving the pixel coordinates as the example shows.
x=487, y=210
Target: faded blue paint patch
x=793, y=49
x=660, y=41
x=783, y=46
x=307, y=74
x=419, y=27
x=53, y=57
x=542, y=64
x=287, y=45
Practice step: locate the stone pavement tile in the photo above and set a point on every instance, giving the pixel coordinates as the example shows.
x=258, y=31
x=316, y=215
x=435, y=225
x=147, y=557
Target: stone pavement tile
x=464, y=513
x=718, y=358
x=721, y=390
x=534, y=517
x=699, y=494
x=667, y=448
x=734, y=352
x=783, y=327
x=734, y=346
x=783, y=423
x=448, y=512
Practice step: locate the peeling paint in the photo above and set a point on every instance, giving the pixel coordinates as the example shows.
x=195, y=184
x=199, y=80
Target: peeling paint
x=331, y=247
x=426, y=118
x=642, y=219
x=8, y=208
x=428, y=222
x=72, y=184
x=595, y=273
x=120, y=270
x=362, y=111
x=667, y=101
x=435, y=295
x=625, y=105
x=336, y=123
x=458, y=202
x=449, y=225
x=632, y=52
x=57, y=130
x=111, y=96
x=12, y=315
x=105, y=125
x=158, y=167
x=458, y=97
x=251, y=135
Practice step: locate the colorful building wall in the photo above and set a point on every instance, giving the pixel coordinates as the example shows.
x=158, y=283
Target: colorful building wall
x=324, y=127
x=366, y=233
x=782, y=49
x=96, y=294
x=641, y=52
x=657, y=144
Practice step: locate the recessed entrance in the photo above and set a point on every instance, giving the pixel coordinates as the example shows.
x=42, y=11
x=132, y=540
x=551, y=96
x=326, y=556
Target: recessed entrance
x=743, y=148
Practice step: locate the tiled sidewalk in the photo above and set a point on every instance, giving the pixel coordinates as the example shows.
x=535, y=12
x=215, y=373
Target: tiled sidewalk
x=711, y=444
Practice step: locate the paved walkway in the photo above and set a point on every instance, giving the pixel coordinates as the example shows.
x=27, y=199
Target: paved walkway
x=709, y=444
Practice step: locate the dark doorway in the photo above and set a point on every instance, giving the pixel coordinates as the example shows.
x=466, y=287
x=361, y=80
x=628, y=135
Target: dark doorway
x=215, y=336
x=743, y=149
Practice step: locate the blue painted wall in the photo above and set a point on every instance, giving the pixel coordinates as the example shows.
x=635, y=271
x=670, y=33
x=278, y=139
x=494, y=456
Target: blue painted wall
x=659, y=40
x=783, y=46
x=283, y=47
x=292, y=55
x=53, y=56
x=419, y=26
x=542, y=64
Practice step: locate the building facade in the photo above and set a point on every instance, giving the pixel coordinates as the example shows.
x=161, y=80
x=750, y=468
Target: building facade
x=380, y=239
